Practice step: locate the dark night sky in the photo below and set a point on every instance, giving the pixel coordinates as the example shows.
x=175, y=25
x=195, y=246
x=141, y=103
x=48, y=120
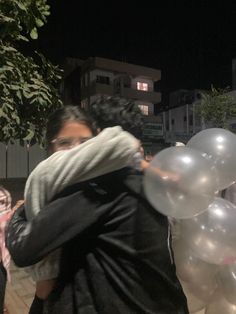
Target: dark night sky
x=192, y=42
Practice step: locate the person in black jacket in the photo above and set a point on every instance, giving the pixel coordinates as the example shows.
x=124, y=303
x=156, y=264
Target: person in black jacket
x=116, y=248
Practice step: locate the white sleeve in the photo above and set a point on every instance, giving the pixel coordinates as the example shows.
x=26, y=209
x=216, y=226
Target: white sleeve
x=111, y=150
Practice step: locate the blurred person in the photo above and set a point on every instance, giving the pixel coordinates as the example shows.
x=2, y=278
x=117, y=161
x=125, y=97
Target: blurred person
x=116, y=249
x=5, y=211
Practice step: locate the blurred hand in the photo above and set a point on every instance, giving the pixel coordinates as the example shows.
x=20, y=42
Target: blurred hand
x=18, y=204
x=167, y=175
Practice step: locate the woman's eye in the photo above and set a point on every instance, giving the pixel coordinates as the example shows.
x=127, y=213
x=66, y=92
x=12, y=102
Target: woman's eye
x=64, y=142
x=84, y=139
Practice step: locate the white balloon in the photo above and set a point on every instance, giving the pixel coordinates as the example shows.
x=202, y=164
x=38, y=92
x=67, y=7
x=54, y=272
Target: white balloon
x=200, y=312
x=220, y=146
x=212, y=234
x=180, y=182
x=191, y=269
x=227, y=282
x=230, y=194
x=221, y=306
x=194, y=303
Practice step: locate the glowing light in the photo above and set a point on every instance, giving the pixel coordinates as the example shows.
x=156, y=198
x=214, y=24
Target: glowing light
x=220, y=147
x=203, y=179
x=219, y=212
x=187, y=160
x=219, y=139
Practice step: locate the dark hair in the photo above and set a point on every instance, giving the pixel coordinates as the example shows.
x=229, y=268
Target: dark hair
x=68, y=113
x=112, y=111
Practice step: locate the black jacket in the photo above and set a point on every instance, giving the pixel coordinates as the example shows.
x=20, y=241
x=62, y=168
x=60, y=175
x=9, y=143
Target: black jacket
x=116, y=255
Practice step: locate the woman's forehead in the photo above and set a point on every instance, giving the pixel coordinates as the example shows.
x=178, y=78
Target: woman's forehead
x=73, y=128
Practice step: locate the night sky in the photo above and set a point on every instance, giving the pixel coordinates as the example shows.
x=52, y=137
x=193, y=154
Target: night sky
x=192, y=42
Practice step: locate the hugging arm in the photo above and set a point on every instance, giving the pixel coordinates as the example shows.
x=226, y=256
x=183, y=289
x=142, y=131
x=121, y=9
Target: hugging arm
x=111, y=150
x=63, y=219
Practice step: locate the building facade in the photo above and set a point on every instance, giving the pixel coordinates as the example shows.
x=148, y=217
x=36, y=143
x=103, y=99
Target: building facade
x=99, y=76
x=182, y=120
x=85, y=81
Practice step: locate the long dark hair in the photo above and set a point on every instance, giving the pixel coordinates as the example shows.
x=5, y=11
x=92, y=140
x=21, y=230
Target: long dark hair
x=68, y=113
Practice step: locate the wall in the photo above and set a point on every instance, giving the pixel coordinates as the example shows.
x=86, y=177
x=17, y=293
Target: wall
x=177, y=115
x=17, y=161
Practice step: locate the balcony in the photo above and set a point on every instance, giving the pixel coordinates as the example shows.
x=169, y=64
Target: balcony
x=152, y=97
x=97, y=88
x=108, y=89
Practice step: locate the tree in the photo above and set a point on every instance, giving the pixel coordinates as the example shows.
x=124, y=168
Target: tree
x=216, y=107
x=29, y=87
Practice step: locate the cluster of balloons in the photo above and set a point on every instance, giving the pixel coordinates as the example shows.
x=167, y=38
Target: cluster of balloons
x=186, y=183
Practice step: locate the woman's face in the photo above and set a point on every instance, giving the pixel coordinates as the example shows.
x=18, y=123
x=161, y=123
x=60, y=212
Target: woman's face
x=71, y=134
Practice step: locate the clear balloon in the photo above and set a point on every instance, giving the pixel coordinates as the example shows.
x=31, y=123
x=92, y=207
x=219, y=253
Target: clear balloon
x=212, y=234
x=230, y=193
x=220, y=146
x=203, y=291
x=191, y=269
x=194, y=304
x=221, y=306
x=180, y=182
x=227, y=282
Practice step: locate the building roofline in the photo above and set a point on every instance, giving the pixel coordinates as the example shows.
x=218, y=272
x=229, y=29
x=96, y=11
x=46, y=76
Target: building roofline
x=112, y=65
x=125, y=67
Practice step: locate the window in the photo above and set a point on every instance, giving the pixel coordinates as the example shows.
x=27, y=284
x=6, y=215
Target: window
x=142, y=86
x=191, y=119
x=82, y=82
x=167, y=125
x=86, y=79
x=198, y=96
x=172, y=121
x=144, y=109
x=103, y=79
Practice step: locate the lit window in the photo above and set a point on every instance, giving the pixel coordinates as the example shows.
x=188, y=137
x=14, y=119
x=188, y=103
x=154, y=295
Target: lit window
x=144, y=109
x=142, y=86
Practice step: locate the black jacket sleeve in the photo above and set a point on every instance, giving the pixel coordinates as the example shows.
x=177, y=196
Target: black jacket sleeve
x=63, y=219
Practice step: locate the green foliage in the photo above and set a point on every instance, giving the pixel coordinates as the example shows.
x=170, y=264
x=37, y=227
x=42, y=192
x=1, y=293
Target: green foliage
x=28, y=94
x=20, y=19
x=216, y=107
x=28, y=87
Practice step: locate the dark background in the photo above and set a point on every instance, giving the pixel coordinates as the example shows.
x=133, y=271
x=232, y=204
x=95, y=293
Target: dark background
x=192, y=42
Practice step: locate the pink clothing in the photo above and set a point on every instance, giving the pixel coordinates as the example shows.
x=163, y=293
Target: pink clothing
x=5, y=214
